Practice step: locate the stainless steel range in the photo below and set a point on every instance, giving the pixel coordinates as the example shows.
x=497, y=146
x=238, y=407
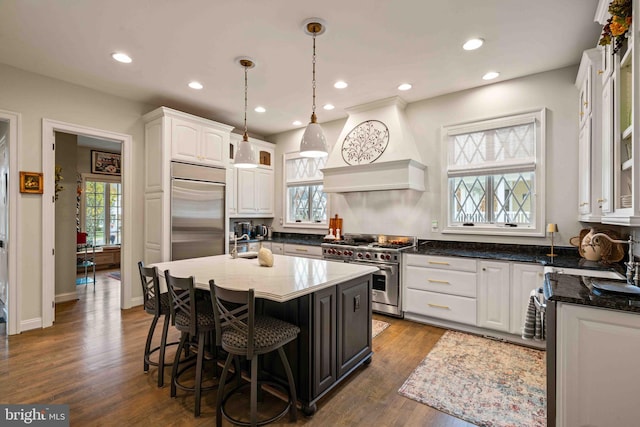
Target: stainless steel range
x=382, y=251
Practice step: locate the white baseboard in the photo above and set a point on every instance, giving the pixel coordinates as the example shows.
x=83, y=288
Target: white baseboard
x=27, y=325
x=69, y=296
x=136, y=301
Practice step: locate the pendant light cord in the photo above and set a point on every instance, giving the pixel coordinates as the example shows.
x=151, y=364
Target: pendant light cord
x=245, y=136
x=313, y=81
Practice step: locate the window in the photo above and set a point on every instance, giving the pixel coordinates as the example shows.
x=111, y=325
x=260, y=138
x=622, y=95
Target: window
x=306, y=203
x=102, y=210
x=495, y=176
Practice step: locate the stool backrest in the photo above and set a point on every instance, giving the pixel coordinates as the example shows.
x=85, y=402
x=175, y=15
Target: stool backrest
x=182, y=293
x=234, y=309
x=150, y=285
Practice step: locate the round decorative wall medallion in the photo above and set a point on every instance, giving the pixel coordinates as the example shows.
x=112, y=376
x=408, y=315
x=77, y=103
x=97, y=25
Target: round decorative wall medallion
x=365, y=143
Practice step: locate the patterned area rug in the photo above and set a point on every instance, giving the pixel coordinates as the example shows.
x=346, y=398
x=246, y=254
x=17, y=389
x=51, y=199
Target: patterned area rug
x=485, y=382
x=377, y=326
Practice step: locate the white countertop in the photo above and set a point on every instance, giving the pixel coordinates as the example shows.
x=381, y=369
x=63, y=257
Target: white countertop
x=289, y=278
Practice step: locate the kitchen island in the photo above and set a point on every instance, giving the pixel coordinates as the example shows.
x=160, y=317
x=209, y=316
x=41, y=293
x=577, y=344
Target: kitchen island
x=330, y=302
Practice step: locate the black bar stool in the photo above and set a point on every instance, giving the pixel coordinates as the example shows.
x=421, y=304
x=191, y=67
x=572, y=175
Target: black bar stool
x=158, y=305
x=192, y=315
x=241, y=333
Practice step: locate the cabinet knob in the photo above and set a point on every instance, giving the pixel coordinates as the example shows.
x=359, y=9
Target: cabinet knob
x=581, y=113
x=600, y=71
x=586, y=103
x=484, y=269
x=600, y=200
x=584, y=203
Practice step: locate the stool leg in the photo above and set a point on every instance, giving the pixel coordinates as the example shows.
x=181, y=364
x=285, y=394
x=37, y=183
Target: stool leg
x=198, y=384
x=293, y=410
x=254, y=391
x=163, y=346
x=223, y=378
x=147, y=346
x=176, y=363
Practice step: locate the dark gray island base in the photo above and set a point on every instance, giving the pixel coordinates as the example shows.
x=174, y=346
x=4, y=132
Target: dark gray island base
x=335, y=338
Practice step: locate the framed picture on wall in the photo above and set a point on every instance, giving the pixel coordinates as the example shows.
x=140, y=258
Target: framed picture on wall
x=105, y=163
x=31, y=182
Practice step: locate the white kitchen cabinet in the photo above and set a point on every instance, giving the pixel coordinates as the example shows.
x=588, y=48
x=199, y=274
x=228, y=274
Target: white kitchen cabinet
x=305, y=251
x=596, y=367
x=589, y=84
x=440, y=287
x=494, y=284
x=276, y=248
x=174, y=135
x=200, y=141
x=524, y=279
x=620, y=99
x=254, y=189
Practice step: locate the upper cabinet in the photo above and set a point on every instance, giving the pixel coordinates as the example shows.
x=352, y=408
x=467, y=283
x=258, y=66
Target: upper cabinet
x=617, y=201
x=199, y=141
x=251, y=192
x=589, y=84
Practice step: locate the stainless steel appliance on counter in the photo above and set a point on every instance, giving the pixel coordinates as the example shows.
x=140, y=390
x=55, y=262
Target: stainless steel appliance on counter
x=197, y=211
x=381, y=251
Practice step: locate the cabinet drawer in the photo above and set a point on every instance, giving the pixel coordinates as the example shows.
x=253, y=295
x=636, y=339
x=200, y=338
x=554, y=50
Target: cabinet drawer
x=277, y=248
x=449, y=307
x=444, y=263
x=303, y=250
x=461, y=283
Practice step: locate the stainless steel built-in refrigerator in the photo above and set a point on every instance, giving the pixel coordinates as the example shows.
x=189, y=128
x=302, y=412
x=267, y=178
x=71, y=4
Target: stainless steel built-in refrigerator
x=197, y=211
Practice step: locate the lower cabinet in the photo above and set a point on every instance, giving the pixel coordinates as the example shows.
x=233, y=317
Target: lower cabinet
x=335, y=338
x=493, y=295
x=441, y=287
x=487, y=294
x=596, y=367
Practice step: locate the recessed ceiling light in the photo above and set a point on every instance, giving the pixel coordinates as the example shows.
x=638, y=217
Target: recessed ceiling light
x=297, y=123
x=259, y=109
x=196, y=85
x=404, y=86
x=490, y=75
x=328, y=107
x=121, y=57
x=472, y=44
x=340, y=84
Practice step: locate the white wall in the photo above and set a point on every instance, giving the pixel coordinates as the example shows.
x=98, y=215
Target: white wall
x=407, y=212
x=36, y=97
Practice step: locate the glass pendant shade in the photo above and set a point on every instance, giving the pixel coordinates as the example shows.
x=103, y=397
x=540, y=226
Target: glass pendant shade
x=313, y=143
x=245, y=155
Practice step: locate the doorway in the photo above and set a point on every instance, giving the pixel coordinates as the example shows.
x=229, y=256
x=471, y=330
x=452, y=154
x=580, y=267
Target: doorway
x=88, y=207
x=9, y=209
x=50, y=128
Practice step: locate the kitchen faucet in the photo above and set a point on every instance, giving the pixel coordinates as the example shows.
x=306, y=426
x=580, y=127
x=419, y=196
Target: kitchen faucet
x=234, y=251
x=633, y=266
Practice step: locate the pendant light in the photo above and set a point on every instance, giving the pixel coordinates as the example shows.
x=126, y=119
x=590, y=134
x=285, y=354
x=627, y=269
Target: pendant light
x=314, y=143
x=245, y=156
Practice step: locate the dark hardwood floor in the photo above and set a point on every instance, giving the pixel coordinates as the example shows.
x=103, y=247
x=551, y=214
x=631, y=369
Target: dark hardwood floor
x=91, y=359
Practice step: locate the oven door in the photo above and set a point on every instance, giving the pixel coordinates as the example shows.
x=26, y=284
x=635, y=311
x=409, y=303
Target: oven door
x=386, y=283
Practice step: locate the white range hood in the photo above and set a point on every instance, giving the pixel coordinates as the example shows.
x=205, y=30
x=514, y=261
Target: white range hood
x=375, y=151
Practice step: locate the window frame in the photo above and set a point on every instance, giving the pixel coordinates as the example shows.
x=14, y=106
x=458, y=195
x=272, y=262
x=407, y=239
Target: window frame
x=285, y=199
x=538, y=117
x=83, y=200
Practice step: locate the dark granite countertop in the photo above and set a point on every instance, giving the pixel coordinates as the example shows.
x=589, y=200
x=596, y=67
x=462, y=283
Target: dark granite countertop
x=571, y=289
x=291, y=238
x=567, y=257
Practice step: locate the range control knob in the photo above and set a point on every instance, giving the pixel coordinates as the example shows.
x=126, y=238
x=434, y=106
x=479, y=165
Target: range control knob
x=359, y=255
x=368, y=256
x=388, y=257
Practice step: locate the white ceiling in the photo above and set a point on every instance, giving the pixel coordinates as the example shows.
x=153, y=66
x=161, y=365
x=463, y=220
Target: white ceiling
x=374, y=45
